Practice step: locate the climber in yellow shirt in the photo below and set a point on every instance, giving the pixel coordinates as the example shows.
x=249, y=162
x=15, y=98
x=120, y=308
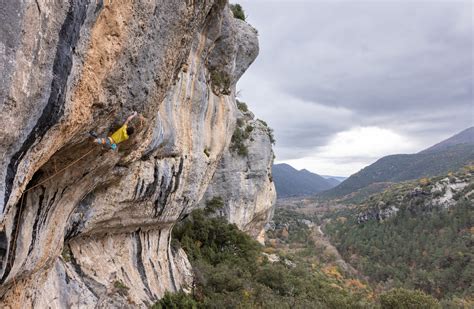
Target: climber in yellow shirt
x=118, y=136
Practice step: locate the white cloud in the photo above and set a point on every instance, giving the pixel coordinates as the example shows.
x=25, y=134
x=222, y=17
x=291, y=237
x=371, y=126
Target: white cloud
x=366, y=142
x=351, y=150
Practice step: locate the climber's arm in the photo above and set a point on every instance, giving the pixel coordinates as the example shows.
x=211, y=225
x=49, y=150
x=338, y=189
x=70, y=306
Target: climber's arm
x=130, y=118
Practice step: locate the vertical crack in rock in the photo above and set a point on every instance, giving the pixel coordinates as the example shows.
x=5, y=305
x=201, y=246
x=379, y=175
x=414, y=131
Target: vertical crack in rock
x=3, y=247
x=151, y=188
x=54, y=109
x=170, y=262
x=12, y=246
x=37, y=219
x=177, y=176
x=88, y=281
x=140, y=265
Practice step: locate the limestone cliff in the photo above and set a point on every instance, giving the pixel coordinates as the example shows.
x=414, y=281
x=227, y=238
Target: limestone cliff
x=83, y=226
x=243, y=180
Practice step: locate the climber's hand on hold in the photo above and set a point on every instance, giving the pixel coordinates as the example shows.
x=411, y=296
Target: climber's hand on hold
x=131, y=117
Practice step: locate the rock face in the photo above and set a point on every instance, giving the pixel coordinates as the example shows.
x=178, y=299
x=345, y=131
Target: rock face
x=88, y=225
x=244, y=182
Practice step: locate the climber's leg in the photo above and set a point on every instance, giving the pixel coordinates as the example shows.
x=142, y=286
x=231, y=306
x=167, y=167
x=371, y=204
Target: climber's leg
x=101, y=141
x=111, y=143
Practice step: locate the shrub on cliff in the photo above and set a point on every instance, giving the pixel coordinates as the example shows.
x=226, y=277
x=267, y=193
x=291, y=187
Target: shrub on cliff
x=269, y=131
x=239, y=137
x=176, y=301
x=242, y=106
x=213, y=205
x=238, y=11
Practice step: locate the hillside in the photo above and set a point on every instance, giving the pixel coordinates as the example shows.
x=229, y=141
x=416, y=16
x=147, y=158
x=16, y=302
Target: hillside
x=415, y=235
x=290, y=182
x=436, y=160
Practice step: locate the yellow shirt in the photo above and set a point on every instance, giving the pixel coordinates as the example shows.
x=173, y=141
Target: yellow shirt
x=120, y=135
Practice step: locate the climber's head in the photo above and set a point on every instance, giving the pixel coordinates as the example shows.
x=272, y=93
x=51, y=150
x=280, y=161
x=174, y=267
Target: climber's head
x=130, y=130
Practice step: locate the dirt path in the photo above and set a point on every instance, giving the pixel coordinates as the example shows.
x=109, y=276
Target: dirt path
x=320, y=239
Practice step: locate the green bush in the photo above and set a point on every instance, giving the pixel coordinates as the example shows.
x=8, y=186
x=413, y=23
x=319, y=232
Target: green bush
x=407, y=299
x=66, y=253
x=237, y=11
x=271, y=136
x=269, y=131
x=214, y=205
x=178, y=300
x=231, y=272
x=239, y=137
x=220, y=81
x=121, y=288
x=242, y=106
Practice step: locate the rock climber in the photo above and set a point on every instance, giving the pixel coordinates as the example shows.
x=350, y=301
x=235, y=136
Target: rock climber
x=119, y=136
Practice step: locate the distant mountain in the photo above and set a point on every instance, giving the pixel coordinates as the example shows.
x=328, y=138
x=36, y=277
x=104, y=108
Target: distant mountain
x=333, y=181
x=464, y=137
x=338, y=178
x=448, y=155
x=290, y=182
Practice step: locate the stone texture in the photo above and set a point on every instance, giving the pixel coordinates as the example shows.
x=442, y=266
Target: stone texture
x=90, y=226
x=245, y=183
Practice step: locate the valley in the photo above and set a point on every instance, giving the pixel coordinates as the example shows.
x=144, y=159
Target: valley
x=415, y=235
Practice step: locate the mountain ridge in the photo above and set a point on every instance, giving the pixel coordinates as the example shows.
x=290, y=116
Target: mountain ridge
x=440, y=158
x=290, y=182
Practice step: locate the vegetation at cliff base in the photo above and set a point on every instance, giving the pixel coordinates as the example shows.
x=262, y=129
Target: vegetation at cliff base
x=231, y=271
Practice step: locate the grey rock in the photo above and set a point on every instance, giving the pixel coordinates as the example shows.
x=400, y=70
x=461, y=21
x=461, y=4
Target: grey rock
x=88, y=225
x=245, y=183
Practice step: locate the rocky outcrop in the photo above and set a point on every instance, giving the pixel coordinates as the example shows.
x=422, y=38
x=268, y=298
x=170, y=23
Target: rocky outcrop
x=423, y=196
x=243, y=180
x=88, y=225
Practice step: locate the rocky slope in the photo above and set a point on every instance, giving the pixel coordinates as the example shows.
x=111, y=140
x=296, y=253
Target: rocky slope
x=401, y=167
x=88, y=225
x=422, y=196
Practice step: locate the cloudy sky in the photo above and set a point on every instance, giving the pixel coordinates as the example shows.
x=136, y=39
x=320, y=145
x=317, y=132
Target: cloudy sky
x=344, y=83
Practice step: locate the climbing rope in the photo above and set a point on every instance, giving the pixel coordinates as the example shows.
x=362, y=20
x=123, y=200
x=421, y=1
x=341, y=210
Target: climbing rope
x=35, y=186
x=39, y=184
x=61, y=170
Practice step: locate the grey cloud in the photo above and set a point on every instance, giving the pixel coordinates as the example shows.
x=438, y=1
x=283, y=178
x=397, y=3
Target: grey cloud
x=403, y=65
